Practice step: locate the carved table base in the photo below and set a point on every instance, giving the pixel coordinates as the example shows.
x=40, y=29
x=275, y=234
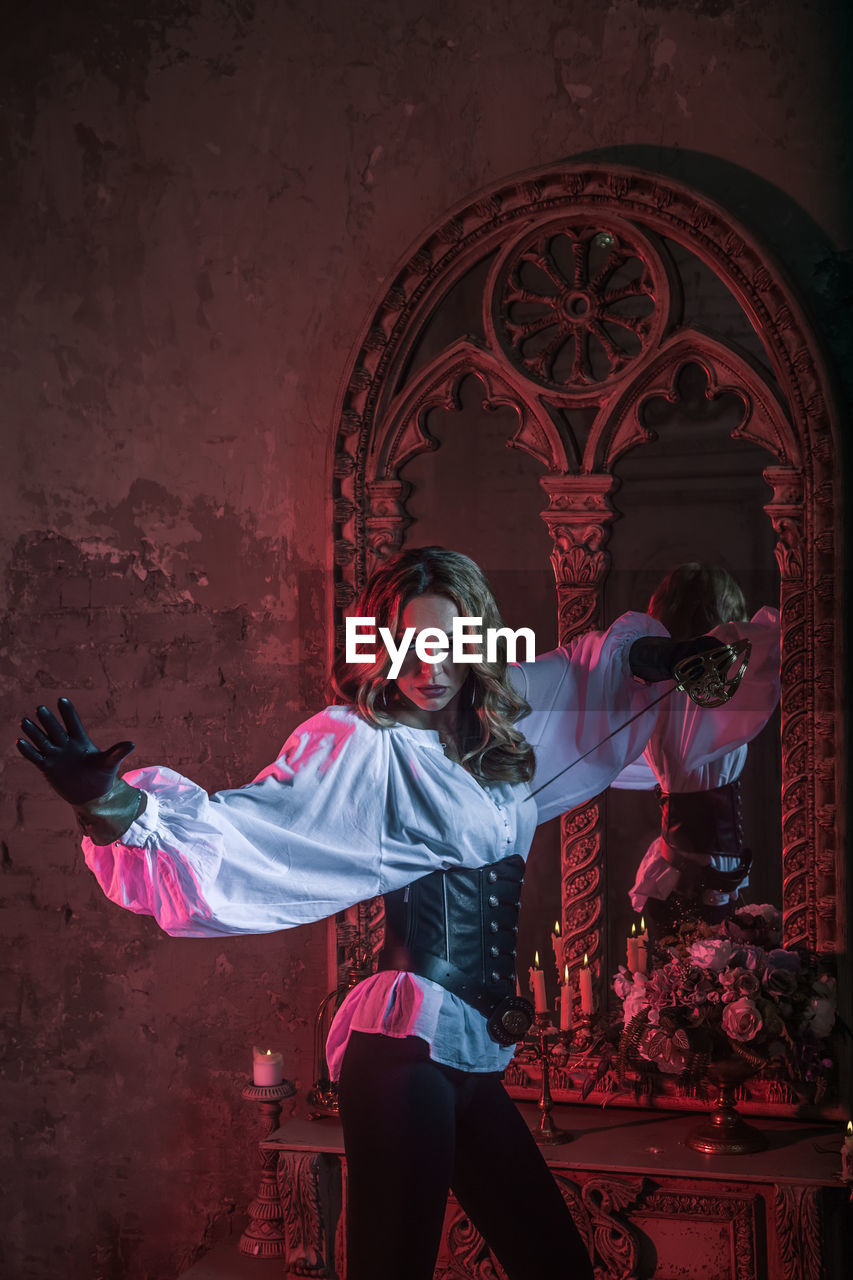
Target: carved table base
x=644, y=1203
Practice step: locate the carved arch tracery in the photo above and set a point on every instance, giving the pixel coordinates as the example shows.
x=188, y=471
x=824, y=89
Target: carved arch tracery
x=571, y=247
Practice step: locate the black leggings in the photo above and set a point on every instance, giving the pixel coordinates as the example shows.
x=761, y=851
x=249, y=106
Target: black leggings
x=414, y=1128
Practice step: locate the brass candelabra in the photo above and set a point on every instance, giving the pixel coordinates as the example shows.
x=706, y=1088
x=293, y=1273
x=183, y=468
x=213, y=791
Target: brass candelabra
x=547, y=1133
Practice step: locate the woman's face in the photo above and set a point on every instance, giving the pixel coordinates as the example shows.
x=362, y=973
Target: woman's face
x=430, y=687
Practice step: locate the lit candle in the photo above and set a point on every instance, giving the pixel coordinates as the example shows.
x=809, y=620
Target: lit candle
x=566, y=1003
x=559, y=951
x=643, y=947
x=847, y=1154
x=537, y=984
x=268, y=1067
x=633, y=950
x=585, y=975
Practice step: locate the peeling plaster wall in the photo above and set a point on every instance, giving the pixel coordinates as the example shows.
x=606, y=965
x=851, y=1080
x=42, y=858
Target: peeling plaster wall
x=201, y=202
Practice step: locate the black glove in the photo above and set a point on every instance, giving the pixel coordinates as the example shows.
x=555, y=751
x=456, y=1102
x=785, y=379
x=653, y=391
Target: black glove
x=68, y=758
x=654, y=658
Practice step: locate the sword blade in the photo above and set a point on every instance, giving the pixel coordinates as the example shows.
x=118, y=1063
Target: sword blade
x=610, y=735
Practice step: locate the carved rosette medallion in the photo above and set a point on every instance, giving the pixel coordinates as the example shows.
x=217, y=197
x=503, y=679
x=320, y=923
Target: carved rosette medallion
x=578, y=303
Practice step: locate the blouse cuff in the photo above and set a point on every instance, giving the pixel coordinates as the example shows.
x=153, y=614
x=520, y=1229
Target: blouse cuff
x=110, y=816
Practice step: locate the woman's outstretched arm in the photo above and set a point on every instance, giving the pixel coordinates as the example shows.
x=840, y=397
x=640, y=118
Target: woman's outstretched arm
x=346, y=812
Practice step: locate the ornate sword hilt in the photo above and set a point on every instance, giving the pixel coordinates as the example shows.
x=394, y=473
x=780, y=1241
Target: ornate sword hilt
x=711, y=679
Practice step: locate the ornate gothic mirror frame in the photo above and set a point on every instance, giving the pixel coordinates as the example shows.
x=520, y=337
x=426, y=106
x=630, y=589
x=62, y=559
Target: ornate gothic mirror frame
x=604, y=334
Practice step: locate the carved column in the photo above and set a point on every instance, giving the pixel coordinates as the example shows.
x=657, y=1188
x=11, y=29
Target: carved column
x=786, y=512
x=578, y=519
x=386, y=520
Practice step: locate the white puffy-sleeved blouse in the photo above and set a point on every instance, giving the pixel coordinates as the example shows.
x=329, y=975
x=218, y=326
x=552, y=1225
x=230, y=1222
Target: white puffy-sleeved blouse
x=349, y=811
x=696, y=749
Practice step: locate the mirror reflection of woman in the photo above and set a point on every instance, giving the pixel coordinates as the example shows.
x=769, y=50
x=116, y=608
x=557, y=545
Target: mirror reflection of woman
x=418, y=788
x=698, y=865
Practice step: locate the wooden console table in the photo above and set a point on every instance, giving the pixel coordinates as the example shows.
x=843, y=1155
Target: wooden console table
x=646, y=1205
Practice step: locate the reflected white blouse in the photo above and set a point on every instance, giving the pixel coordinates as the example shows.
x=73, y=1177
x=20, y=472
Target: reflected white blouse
x=349, y=811
x=691, y=749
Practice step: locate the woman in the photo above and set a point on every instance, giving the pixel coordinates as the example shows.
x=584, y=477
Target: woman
x=416, y=787
x=698, y=864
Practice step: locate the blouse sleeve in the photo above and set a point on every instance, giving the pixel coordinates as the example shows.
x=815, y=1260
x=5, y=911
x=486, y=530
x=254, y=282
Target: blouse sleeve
x=301, y=842
x=636, y=776
x=689, y=738
x=578, y=696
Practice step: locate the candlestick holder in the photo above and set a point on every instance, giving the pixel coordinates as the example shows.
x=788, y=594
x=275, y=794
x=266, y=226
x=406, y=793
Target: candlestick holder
x=264, y=1236
x=547, y=1133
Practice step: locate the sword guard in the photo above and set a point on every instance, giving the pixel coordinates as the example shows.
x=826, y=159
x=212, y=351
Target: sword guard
x=710, y=679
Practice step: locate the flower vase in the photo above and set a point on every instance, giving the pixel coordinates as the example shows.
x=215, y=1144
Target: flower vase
x=724, y=1131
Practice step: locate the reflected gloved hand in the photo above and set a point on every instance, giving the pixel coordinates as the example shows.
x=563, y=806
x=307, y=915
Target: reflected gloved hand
x=654, y=658
x=68, y=758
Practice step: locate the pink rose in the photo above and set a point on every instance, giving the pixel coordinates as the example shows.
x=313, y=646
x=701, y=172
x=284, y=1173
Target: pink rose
x=780, y=982
x=658, y=986
x=751, y=957
x=764, y=911
x=622, y=983
x=741, y=1020
x=746, y=982
x=711, y=953
x=739, y=982
x=636, y=1000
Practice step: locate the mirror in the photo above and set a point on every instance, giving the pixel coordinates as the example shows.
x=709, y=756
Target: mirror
x=692, y=494
x=580, y=316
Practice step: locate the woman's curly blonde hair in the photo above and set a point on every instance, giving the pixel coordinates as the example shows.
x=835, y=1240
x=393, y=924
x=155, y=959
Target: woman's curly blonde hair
x=492, y=748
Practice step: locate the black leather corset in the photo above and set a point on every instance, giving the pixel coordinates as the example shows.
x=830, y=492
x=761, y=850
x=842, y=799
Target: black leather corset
x=459, y=928
x=703, y=821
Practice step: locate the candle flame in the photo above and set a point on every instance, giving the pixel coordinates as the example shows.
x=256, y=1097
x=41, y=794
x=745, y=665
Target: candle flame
x=850, y=1127
x=585, y=960
x=643, y=924
x=633, y=931
x=557, y=928
x=268, y=1052
x=536, y=960
x=566, y=975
